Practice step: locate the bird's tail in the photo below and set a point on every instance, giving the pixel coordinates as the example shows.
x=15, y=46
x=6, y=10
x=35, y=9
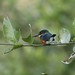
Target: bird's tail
x=53, y=35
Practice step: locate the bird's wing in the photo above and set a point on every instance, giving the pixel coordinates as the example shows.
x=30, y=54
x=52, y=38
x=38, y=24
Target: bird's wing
x=46, y=36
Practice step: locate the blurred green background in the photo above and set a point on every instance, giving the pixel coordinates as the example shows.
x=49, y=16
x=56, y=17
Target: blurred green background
x=49, y=14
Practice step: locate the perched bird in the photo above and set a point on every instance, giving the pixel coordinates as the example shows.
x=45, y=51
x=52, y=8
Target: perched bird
x=45, y=36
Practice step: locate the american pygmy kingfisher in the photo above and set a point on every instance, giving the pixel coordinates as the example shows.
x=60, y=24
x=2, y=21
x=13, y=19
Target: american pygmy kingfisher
x=45, y=36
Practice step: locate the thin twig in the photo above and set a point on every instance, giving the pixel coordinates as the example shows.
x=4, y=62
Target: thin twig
x=37, y=45
x=40, y=45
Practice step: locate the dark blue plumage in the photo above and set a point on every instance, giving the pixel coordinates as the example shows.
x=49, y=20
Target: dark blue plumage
x=45, y=36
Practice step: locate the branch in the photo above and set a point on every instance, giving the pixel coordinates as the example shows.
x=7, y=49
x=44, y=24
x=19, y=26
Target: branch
x=37, y=45
x=40, y=45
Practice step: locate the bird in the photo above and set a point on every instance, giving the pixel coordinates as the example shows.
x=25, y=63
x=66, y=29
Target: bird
x=45, y=36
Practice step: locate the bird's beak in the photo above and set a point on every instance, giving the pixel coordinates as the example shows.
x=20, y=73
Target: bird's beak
x=36, y=35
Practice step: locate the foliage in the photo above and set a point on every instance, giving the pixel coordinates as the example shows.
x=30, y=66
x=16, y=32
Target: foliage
x=65, y=37
x=29, y=38
x=41, y=14
x=13, y=35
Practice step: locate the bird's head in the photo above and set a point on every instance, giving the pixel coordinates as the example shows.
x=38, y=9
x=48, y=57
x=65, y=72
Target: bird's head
x=41, y=32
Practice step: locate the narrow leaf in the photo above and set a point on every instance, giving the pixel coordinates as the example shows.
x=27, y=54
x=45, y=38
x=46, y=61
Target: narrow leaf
x=17, y=35
x=72, y=55
x=8, y=30
x=29, y=38
x=65, y=36
x=16, y=46
x=68, y=61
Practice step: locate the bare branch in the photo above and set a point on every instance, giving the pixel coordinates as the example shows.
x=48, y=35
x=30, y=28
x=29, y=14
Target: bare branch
x=40, y=45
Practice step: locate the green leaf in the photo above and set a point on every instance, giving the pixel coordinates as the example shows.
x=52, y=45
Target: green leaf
x=68, y=61
x=16, y=46
x=10, y=33
x=17, y=35
x=29, y=38
x=65, y=35
x=8, y=30
x=72, y=56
